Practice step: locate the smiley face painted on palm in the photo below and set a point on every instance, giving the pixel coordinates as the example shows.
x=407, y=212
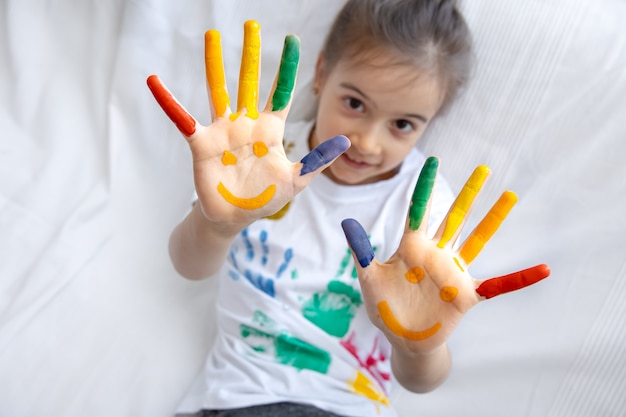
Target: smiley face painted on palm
x=431, y=279
x=248, y=203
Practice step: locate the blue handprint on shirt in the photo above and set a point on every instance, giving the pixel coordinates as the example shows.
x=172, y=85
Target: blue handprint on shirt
x=243, y=264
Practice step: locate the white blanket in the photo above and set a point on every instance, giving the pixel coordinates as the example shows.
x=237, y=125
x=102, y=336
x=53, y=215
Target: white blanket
x=95, y=322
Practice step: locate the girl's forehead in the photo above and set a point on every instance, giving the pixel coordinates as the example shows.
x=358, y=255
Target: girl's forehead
x=392, y=83
x=378, y=60
x=382, y=72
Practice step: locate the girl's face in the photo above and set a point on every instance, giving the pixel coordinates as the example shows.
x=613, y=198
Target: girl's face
x=383, y=109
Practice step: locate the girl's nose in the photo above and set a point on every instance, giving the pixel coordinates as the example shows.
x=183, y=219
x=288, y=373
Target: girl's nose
x=366, y=140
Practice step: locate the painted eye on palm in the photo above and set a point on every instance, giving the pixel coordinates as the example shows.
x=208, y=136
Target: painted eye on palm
x=439, y=268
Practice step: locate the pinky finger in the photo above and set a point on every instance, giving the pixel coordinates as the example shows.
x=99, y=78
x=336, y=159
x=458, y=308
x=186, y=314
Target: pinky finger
x=517, y=280
x=177, y=114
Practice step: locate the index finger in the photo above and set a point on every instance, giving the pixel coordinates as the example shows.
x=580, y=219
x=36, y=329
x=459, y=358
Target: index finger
x=286, y=77
x=421, y=195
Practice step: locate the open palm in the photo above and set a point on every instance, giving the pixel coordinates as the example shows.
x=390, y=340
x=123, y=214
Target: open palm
x=241, y=172
x=418, y=297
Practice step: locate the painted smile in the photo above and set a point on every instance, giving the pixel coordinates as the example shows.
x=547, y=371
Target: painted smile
x=394, y=325
x=251, y=203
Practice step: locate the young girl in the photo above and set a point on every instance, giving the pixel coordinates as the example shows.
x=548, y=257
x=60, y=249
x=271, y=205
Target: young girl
x=302, y=328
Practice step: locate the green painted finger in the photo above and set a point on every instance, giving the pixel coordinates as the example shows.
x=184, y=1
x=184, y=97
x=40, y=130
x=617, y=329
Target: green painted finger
x=286, y=73
x=422, y=192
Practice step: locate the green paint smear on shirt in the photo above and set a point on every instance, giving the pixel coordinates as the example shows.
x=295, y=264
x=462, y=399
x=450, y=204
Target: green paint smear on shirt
x=334, y=309
x=286, y=73
x=288, y=350
x=422, y=192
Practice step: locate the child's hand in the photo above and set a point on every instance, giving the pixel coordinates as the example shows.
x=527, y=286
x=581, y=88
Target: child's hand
x=420, y=294
x=241, y=171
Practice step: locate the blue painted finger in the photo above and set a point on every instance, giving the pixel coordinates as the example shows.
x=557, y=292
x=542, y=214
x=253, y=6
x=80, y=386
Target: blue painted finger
x=358, y=241
x=323, y=154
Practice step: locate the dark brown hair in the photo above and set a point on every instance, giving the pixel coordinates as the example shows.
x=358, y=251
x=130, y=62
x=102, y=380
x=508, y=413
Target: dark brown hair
x=431, y=35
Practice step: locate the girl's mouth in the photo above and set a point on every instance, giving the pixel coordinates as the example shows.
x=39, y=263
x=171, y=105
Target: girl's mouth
x=353, y=163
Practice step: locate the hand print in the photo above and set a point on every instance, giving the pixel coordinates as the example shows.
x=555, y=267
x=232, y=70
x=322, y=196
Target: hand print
x=256, y=274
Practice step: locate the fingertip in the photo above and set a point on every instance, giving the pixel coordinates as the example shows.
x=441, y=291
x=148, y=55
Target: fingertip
x=359, y=241
x=292, y=41
x=154, y=82
x=323, y=154
x=252, y=25
x=349, y=226
x=342, y=143
x=212, y=35
x=543, y=270
x=432, y=162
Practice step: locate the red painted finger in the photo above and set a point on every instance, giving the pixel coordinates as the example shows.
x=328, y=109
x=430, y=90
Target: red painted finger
x=512, y=282
x=177, y=114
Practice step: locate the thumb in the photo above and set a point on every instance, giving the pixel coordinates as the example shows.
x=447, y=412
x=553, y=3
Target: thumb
x=324, y=154
x=359, y=242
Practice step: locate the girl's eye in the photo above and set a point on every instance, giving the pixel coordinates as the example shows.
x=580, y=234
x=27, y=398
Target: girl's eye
x=354, y=104
x=404, y=125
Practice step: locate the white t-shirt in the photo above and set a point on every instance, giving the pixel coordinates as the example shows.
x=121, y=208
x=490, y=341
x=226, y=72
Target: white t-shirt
x=291, y=321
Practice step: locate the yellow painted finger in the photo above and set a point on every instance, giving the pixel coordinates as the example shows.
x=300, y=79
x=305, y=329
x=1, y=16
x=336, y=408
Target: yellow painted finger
x=248, y=94
x=463, y=203
x=214, y=66
x=487, y=227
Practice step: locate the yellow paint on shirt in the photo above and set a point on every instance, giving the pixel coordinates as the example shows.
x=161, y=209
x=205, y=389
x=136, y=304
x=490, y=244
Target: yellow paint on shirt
x=363, y=386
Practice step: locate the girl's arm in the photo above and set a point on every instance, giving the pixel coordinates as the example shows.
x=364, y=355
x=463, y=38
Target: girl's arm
x=197, y=247
x=241, y=172
x=421, y=372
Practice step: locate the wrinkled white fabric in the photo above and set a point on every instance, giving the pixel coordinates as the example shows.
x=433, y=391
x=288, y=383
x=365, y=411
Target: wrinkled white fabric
x=93, y=318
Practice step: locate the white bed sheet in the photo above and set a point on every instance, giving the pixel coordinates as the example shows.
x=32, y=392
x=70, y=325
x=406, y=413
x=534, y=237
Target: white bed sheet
x=93, y=319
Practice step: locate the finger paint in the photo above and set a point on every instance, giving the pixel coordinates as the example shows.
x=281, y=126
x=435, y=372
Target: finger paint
x=485, y=230
x=259, y=149
x=394, y=325
x=177, y=114
x=448, y=294
x=358, y=241
x=251, y=203
x=414, y=275
x=229, y=158
x=323, y=154
x=463, y=203
x=422, y=192
x=458, y=264
x=287, y=71
x=214, y=67
x=512, y=282
x=248, y=93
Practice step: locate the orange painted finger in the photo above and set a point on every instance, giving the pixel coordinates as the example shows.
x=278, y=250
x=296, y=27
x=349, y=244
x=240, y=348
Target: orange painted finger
x=174, y=110
x=485, y=230
x=214, y=66
x=463, y=203
x=248, y=93
x=512, y=282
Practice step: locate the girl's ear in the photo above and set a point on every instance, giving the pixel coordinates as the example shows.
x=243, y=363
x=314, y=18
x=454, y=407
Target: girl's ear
x=318, y=80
